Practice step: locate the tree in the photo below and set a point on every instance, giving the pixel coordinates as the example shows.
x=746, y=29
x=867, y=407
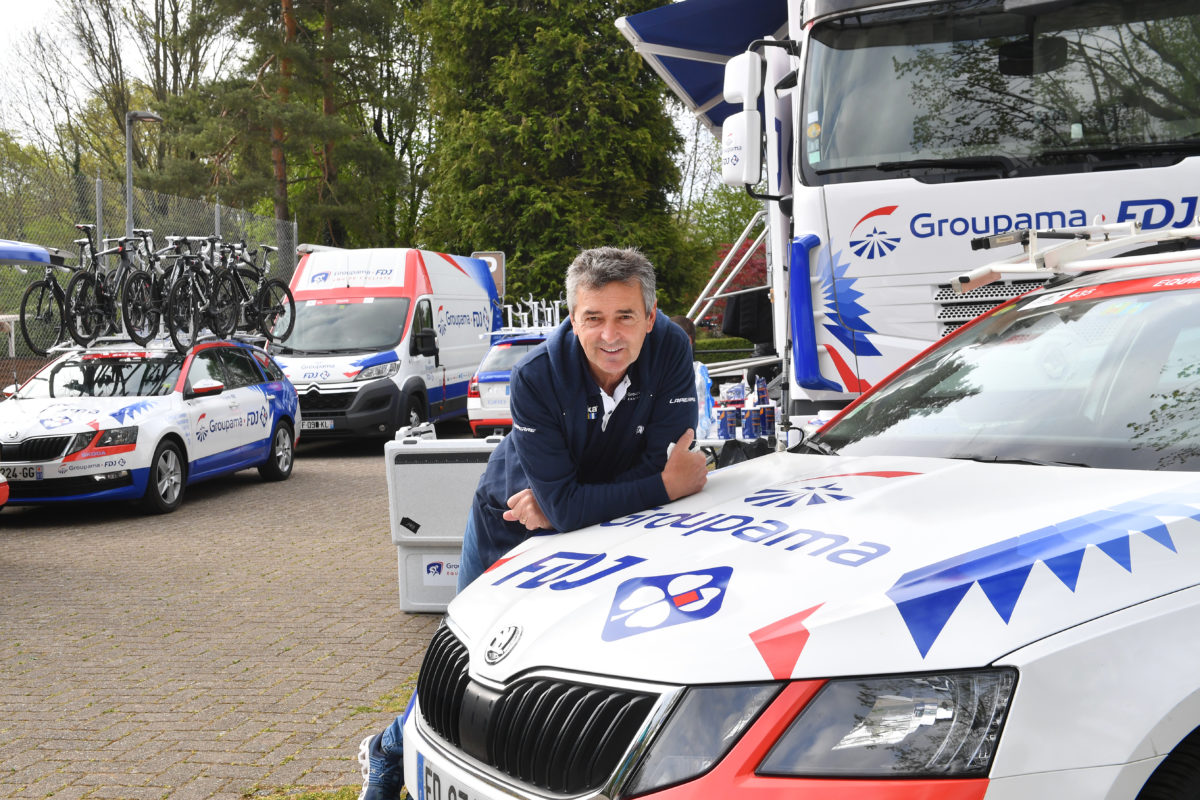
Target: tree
x=550, y=137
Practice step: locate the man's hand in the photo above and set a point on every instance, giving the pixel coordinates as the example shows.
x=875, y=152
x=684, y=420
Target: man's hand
x=523, y=508
x=686, y=471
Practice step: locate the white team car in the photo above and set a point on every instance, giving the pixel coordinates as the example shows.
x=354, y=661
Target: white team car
x=138, y=422
x=980, y=581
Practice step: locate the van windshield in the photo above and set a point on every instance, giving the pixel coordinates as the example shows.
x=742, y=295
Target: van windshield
x=932, y=90
x=365, y=324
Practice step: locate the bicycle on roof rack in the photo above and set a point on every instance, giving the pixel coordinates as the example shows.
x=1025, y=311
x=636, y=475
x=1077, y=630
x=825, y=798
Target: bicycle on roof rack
x=263, y=305
x=143, y=303
x=42, y=304
x=93, y=296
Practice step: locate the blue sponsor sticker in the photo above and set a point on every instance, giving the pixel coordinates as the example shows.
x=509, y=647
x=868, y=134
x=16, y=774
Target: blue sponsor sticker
x=648, y=604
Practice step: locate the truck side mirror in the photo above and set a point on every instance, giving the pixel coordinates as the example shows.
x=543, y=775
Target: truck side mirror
x=425, y=342
x=741, y=149
x=741, y=135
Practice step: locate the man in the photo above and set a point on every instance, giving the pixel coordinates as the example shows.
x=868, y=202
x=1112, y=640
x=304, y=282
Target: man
x=604, y=414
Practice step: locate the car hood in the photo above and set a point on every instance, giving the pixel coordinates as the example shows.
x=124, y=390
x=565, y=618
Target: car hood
x=810, y=566
x=25, y=418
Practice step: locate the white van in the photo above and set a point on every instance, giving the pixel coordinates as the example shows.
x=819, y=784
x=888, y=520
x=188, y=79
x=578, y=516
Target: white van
x=386, y=337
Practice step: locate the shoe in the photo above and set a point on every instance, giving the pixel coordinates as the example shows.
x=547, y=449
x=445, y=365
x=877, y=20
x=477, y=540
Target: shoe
x=383, y=779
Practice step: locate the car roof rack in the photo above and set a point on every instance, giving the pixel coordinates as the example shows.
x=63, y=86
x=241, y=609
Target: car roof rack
x=1076, y=250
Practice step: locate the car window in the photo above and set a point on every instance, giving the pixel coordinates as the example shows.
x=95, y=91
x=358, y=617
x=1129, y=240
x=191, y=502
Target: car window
x=1106, y=381
x=505, y=356
x=239, y=367
x=205, y=366
x=102, y=375
x=272, y=370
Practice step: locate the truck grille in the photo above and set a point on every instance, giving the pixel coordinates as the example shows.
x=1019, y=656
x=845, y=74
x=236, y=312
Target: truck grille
x=956, y=310
x=562, y=737
x=43, y=448
x=316, y=401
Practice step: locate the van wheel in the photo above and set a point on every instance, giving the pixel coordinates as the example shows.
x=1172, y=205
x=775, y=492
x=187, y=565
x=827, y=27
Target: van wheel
x=278, y=466
x=164, y=487
x=414, y=412
x=1177, y=776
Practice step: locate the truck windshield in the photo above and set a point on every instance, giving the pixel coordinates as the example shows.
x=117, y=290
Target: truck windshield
x=1111, y=380
x=368, y=324
x=937, y=90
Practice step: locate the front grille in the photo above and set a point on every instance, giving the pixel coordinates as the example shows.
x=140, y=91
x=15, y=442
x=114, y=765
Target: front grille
x=556, y=735
x=316, y=401
x=42, y=448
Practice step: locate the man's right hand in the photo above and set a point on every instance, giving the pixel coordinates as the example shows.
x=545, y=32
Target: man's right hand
x=686, y=471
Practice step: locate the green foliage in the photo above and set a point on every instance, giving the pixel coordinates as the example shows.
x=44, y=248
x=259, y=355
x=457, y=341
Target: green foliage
x=706, y=349
x=551, y=138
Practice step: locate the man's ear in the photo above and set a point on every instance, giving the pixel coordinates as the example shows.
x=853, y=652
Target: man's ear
x=653, y=315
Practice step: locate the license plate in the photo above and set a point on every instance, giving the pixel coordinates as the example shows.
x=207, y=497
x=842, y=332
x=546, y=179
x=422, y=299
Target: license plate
x=437, y=782
x=494, y=396
x=28, y=472
x=316, y=425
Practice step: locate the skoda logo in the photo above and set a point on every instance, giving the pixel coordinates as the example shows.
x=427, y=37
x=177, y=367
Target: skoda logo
x=502, y=644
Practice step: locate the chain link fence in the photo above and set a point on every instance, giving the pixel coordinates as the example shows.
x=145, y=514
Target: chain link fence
x=42, y=207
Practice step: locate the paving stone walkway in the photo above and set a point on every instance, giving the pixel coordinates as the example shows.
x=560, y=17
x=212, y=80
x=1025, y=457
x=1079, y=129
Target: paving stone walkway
x=239, y=647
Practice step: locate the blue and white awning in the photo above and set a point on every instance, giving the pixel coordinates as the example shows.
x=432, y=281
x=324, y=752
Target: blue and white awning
x=687, y=44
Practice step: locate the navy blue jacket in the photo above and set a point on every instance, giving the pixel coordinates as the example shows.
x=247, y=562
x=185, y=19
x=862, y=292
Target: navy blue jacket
x=579, y=474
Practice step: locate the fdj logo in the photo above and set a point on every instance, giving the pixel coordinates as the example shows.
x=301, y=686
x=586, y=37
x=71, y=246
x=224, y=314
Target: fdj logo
x=647, y=604
x=873, y=243
x=1155, y=213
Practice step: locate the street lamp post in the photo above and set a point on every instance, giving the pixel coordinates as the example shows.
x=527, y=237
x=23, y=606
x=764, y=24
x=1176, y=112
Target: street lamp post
x=130, y=117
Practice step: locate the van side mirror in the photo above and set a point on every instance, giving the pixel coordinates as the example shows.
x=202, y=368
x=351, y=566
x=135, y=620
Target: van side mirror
x=425, y=342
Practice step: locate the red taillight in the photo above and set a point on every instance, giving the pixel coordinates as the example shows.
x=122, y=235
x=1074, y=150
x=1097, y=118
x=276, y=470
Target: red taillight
x=473, y=387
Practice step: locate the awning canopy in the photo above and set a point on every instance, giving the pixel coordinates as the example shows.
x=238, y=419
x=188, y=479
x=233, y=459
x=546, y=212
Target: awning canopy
x=687, y=44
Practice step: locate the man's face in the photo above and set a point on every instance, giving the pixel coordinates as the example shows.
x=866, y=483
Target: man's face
x=611, y=324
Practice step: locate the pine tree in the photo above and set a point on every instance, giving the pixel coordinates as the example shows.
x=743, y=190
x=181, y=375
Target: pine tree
x=551, y=137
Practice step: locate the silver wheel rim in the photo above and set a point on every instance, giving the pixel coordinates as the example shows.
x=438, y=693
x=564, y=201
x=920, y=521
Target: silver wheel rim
x=283, y=450
x=169, y=478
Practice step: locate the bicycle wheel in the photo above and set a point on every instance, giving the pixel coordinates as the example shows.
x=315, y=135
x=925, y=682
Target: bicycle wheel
x=41, y=317
x=84, y=308
x=224, y=306
x=139, y=307
x=275, y=310
x=183, y=316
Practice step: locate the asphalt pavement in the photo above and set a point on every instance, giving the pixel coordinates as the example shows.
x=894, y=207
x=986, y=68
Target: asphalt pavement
x=239, y=647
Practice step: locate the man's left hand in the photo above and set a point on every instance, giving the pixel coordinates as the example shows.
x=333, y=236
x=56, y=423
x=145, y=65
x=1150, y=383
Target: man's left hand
x=523, y=508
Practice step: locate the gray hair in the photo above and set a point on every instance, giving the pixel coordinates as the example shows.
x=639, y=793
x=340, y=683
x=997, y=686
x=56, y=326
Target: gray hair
x=600, y=266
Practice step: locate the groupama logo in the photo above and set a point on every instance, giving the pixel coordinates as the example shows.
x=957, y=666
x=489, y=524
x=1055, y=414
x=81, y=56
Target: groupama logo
x=873, y=241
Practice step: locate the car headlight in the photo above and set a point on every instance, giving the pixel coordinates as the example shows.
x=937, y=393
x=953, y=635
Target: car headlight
x=943, y=725
x=378, y=371
x=700, y=731
x=107, y=438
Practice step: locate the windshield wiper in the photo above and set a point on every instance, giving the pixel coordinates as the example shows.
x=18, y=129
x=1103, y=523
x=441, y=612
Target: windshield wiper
x=1006, y=164
x=809, y=444
x=1035, y=462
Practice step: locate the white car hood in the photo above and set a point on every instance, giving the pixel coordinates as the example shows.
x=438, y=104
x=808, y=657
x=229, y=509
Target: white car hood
x=25, y=418
x=811, y=566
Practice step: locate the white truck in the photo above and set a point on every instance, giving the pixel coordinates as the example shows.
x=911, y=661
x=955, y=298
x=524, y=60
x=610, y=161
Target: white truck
x=387, y=337
x=895, y=133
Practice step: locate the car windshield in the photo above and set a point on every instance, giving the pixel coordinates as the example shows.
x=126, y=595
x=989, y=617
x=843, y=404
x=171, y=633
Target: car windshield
x=105, y=375
x=1051, y=89
x=1112, y=380
x=365, y=324
x=505, y=356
